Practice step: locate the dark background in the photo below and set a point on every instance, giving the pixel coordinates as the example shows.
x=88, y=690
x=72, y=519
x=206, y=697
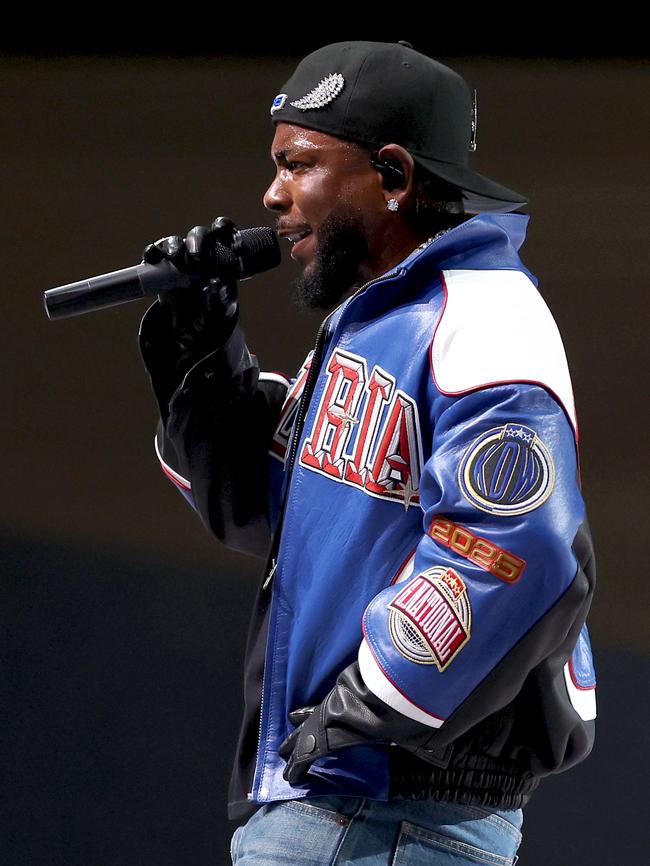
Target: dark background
x=123, y=620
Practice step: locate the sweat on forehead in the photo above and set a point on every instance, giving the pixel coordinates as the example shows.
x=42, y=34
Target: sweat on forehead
x=291, y=138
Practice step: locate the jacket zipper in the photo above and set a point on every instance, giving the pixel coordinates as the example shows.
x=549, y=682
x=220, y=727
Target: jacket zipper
x=276, y=538
x=274, y=565
x=297, y=430
x=302, y=406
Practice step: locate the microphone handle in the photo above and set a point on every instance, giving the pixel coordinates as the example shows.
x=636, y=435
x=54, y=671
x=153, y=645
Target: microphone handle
x=107, y=290
x=255, y=250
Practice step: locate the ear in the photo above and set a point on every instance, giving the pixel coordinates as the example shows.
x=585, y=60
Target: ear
x=399, y=157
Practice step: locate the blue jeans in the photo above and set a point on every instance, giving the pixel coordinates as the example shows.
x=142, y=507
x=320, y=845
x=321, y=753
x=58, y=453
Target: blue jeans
x=337, y=831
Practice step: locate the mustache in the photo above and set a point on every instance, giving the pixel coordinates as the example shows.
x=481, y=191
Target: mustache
x=291, y=227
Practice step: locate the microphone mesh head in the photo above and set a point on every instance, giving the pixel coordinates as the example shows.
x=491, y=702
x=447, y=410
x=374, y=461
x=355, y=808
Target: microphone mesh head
x=258, y=250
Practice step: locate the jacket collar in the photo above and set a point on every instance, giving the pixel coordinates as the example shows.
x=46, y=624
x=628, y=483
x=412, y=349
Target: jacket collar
x=505, y=231
x=487, y=240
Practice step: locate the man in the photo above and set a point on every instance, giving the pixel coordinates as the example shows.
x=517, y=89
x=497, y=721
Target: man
x=418, y=657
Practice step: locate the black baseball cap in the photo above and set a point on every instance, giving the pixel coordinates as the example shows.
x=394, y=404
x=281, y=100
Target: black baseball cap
x=376, y=93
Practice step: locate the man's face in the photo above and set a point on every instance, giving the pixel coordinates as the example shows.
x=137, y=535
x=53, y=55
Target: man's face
x=326, y=186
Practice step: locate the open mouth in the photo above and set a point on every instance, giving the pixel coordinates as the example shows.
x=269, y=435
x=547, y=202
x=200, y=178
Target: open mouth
x=298, y=241
x=297, y=236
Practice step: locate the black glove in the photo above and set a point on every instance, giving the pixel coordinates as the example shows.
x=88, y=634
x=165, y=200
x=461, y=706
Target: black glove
x=351, y=714
x=202, y=319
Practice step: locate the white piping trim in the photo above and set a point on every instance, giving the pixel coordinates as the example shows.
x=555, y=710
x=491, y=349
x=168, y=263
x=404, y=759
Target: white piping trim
x=275, y=377
x=179, y=478
x=407, y=569
x=582, y=700
x=379, y=685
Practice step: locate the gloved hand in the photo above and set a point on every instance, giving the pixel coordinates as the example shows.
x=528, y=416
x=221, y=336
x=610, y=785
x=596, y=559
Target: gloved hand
x=351, y=714
x=202, y=319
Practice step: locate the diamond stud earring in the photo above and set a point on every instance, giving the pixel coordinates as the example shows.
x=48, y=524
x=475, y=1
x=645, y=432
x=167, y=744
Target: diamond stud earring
x=392, y=204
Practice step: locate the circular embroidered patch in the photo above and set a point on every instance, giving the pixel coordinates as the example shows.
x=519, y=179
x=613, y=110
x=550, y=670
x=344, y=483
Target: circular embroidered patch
x=429, y=620
x=507, y=470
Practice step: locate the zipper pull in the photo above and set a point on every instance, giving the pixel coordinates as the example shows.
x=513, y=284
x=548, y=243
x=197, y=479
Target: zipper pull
x=271, y=573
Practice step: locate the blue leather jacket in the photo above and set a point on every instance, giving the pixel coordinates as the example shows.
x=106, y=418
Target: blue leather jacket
x=415, y=489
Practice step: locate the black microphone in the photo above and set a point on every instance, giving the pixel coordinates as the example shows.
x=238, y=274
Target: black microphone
x=254, y=250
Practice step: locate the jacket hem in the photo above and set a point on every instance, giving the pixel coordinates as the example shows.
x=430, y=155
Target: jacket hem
x=478, y=781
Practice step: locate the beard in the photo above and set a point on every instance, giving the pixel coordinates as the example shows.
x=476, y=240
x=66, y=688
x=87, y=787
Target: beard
x=340, y=248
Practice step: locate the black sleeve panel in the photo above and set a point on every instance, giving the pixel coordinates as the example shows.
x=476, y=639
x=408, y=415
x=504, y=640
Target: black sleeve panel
x=538, y=711
x=216, y=424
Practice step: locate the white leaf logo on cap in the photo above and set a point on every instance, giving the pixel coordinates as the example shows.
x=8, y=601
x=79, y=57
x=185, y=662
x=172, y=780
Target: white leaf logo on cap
x=326, y=90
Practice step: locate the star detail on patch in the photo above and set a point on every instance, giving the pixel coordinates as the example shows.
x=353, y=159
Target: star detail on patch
x=326, y=90
x=409, y=492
